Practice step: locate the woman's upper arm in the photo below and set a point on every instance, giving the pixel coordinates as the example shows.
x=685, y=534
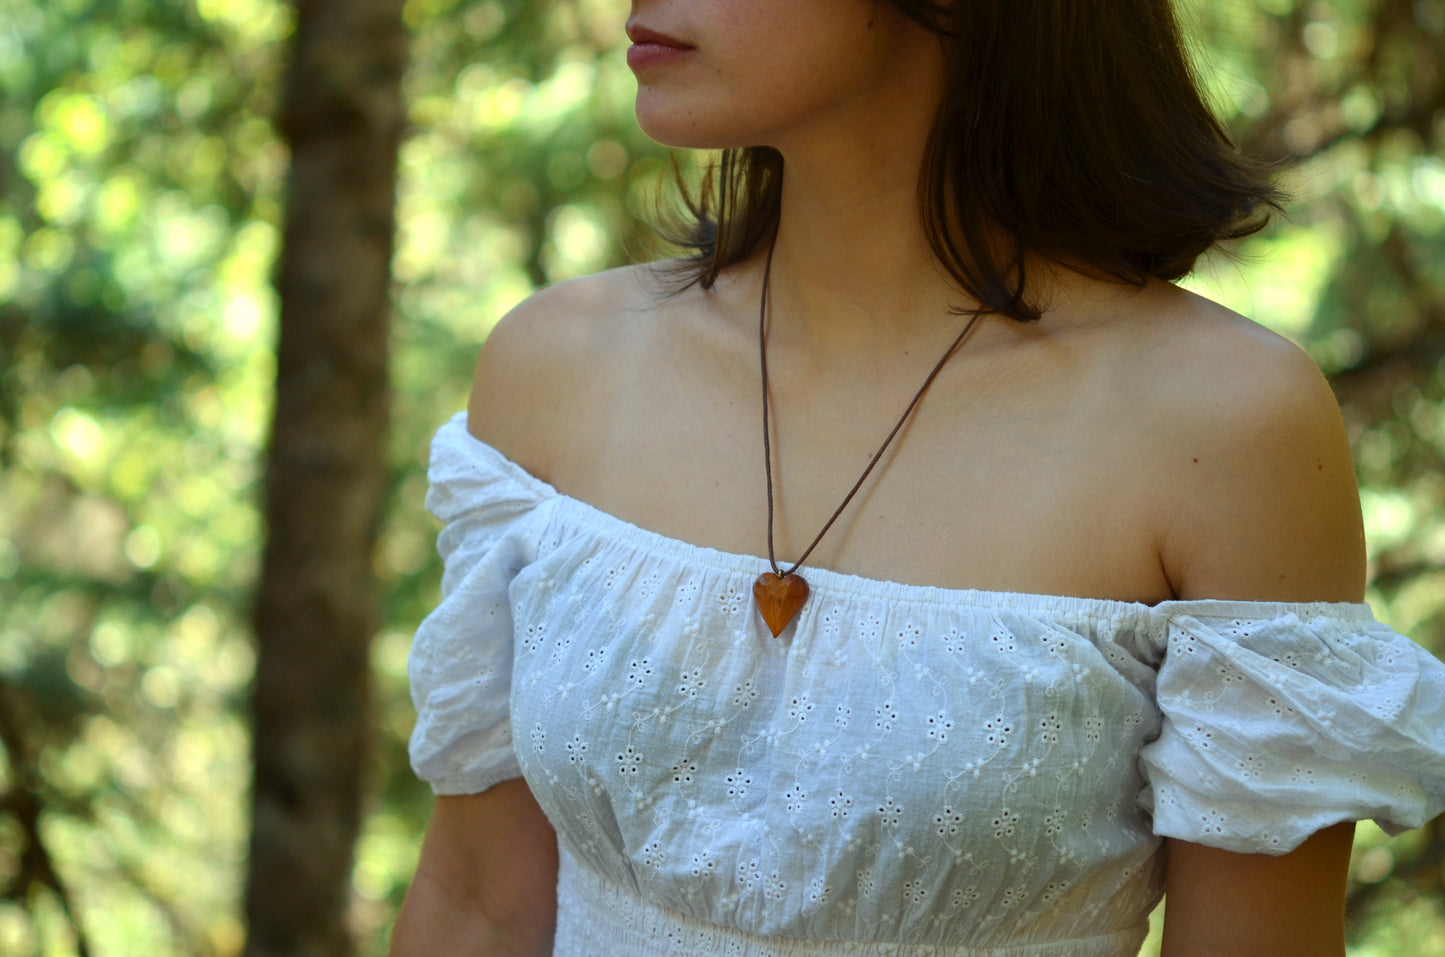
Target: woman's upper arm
x=1265, y=508
x=1263, y=500
x=1222, y=904
x=486, y=883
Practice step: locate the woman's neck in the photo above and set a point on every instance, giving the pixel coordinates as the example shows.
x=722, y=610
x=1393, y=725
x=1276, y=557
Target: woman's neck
x=852, y=264
x=853, y=272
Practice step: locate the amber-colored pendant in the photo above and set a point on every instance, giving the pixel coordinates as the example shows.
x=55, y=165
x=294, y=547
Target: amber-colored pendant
x=779, y=599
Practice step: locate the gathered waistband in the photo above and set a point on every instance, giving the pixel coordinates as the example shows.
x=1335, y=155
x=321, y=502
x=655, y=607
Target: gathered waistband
x=599, y=918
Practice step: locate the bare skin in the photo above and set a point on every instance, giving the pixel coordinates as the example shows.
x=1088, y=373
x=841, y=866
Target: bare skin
x=1134, y=444
x=1168, y=449
x=486, y=883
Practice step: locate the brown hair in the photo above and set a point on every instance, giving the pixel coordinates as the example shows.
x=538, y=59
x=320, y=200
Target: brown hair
x=1072, y=128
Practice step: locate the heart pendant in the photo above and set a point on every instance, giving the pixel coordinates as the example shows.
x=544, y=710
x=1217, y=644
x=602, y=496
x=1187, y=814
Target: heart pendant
x=779, y=599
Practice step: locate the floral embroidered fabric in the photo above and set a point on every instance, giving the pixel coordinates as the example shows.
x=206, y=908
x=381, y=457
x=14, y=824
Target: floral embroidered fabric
x=908, y=770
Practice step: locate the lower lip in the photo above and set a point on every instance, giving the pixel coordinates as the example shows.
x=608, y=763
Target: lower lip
x=641, y=56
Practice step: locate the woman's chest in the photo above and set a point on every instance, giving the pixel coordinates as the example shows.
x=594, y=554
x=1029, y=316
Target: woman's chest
x=671, y=740
x=1032, y=475
x=1035, y=503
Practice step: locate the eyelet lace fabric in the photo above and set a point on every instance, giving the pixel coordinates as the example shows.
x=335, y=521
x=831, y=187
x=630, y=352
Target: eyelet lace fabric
x=909, y=770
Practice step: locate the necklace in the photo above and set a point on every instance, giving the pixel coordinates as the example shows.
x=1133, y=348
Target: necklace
x=779, y=594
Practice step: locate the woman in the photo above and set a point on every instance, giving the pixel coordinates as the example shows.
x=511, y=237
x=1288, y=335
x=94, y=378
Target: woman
x=1089, y=629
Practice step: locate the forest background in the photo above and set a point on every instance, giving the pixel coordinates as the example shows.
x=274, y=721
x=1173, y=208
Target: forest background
x=150, y=260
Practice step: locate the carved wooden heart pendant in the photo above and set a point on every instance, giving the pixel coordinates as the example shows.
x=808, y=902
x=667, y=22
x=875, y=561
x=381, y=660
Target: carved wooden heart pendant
x=779, y=599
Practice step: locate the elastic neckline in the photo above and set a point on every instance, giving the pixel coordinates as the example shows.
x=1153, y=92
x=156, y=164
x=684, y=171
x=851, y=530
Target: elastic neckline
x=824, y=580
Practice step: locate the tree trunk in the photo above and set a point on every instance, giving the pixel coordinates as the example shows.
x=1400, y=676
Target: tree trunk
x=317, y=607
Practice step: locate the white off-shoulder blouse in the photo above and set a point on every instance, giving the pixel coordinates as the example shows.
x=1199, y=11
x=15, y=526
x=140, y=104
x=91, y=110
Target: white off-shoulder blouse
x=907, y=770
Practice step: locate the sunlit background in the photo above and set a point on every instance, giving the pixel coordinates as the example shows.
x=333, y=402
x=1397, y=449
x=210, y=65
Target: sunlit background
x=140, y=207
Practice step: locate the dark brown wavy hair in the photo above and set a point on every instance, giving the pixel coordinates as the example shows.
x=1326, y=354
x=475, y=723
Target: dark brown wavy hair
x=1073, y=129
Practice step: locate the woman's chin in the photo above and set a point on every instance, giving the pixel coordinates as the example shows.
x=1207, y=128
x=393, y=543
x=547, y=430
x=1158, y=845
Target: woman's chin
x=682, y=128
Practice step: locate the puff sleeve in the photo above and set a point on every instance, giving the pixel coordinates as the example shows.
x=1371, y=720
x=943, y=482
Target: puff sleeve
x=1281, y=720
x=460, y=665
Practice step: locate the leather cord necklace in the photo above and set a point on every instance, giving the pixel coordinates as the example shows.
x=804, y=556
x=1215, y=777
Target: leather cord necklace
x=779, y=594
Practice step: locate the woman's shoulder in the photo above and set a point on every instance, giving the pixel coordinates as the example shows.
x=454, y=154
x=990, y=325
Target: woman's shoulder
x=1249, y=445
x=546, y=371
x=1208, y=353
x=1218, y=384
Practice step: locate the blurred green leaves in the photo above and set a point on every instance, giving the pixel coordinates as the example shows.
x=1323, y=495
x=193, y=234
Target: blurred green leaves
x=139, y=187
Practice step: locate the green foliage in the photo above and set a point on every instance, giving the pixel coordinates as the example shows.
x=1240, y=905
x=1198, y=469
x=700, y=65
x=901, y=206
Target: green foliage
x=139, y=187
x=140, y=192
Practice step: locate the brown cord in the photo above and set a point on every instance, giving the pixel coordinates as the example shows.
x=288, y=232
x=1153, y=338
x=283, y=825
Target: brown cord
x=767, y=446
